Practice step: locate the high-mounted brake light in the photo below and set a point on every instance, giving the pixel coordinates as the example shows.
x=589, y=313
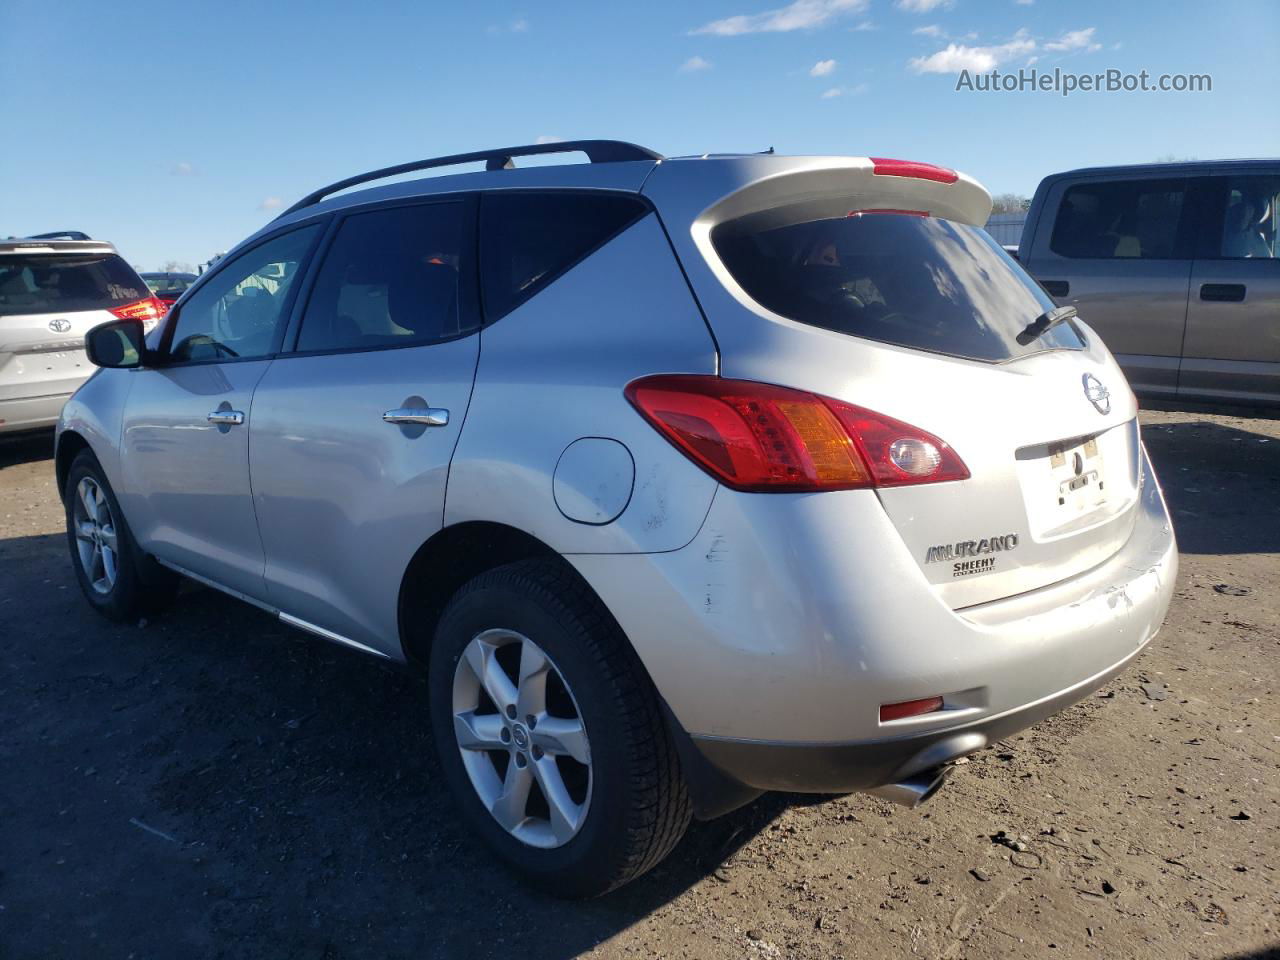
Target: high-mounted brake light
x=885, y=167
x=763, y=438
x=148, y=310
x=903, y=213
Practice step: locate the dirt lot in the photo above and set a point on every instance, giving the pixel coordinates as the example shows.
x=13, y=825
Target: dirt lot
x=212, y=784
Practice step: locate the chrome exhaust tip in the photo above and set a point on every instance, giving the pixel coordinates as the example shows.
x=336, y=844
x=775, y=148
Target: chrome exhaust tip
x=914, y=790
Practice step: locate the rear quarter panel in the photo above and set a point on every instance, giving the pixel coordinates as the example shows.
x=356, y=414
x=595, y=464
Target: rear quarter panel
x=553, y=371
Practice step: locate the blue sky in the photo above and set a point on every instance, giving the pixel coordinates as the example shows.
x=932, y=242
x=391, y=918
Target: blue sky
x=175, y=129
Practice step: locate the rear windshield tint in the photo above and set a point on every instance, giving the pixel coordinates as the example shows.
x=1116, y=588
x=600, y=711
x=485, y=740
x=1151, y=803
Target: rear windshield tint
x=62, y=283
x=908, y=280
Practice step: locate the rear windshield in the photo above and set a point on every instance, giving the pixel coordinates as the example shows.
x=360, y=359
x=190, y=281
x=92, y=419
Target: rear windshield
x=63, y=283
x=908, y=280
x=168, y=282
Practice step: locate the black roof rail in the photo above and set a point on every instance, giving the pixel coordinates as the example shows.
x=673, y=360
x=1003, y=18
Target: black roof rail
x=597, y=151
x=59, y=235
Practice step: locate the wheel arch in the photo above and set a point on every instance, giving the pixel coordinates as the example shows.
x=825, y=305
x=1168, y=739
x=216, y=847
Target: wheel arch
x=450, y=558
x=70, y=443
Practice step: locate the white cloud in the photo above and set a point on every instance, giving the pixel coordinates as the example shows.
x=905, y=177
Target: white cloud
x=955, y=57
x=933, y=30
x=921, y=6
x=799, y=15
x=548, y=138
x=1075, y=40
x=1024, y=3
x=822, y=68
x=518, y=25
x=271, y=203
x=695, y=65
x=843, y=92
x=863, y=26
x=183, y=169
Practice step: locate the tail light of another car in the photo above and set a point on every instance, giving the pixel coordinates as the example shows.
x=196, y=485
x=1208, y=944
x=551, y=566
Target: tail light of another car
x=150, y=310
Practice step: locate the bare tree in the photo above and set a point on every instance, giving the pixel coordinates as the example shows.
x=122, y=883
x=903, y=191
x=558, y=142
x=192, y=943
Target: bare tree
x=176, y=266
x=1009, y=203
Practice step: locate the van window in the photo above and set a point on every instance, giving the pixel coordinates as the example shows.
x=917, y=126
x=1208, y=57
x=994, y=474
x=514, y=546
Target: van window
x=1117, y=219
x=1250, y=208
x=66, y=282
x=912, y=281
x=238, y=311
x=390, y=278
x=529, y=239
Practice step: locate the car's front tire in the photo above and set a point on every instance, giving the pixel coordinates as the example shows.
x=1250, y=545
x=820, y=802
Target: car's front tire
x=116, y=577
x=550, y=734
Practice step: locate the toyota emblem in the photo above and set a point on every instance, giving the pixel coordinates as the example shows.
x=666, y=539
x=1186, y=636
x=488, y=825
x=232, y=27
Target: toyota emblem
x=60, y=325
x=1098, y=395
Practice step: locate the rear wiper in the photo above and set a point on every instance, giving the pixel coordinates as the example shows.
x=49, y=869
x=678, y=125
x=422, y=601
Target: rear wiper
x=1042, y=324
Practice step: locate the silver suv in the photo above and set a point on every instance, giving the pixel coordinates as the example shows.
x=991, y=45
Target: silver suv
x=684, y=479
x=53, y=288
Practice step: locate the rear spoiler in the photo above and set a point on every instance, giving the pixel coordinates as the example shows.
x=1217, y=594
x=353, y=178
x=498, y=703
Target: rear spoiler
x=837, y=186
x=39, y=245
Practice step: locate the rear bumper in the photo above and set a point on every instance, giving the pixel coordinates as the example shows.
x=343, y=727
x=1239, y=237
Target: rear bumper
x=845, y=767
x=777, y=633
x=31, y=413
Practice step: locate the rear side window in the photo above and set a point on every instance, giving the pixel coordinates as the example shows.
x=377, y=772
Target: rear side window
x=64, y=283
x=1250, y=208
x=529, y=239
x=1119, y=219
x=391, y=278
x=907, y=280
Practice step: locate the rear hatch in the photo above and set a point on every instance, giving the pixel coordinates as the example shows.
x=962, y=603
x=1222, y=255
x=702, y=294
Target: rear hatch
x=881, y=290
x=49, y=300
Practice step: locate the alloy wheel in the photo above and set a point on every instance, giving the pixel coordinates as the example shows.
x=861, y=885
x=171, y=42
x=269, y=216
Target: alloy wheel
x=95, y=532
x=522, y=738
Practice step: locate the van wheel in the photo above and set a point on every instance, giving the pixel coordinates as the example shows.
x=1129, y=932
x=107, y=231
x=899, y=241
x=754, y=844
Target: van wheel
x=550, y=734
x=120, y=581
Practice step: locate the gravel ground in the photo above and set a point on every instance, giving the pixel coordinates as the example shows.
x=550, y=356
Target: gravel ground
x=212, y=784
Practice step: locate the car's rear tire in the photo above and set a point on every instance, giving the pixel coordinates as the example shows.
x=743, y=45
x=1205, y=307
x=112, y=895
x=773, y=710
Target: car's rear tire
x=119, y=580
x=579, y=829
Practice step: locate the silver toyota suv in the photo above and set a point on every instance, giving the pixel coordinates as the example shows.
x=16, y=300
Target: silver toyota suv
x=54, y=287
x=683, y=479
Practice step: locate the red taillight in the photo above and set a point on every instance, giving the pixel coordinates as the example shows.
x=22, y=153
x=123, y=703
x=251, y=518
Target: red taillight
x=763, y=438
x=909, y=708
x=149, y=308
x=884, y=167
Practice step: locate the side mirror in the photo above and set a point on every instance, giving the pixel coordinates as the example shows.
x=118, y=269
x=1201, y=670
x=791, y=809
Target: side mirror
x=118, y=344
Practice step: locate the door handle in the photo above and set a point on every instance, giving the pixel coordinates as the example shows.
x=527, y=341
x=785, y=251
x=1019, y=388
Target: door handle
x=426, y=416
x=1222, y=292
x=232, y=417
x=1056, y=288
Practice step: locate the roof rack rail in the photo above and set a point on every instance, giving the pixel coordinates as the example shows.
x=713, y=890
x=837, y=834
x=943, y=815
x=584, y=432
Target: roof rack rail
x=597, y=151
x=59, y=235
